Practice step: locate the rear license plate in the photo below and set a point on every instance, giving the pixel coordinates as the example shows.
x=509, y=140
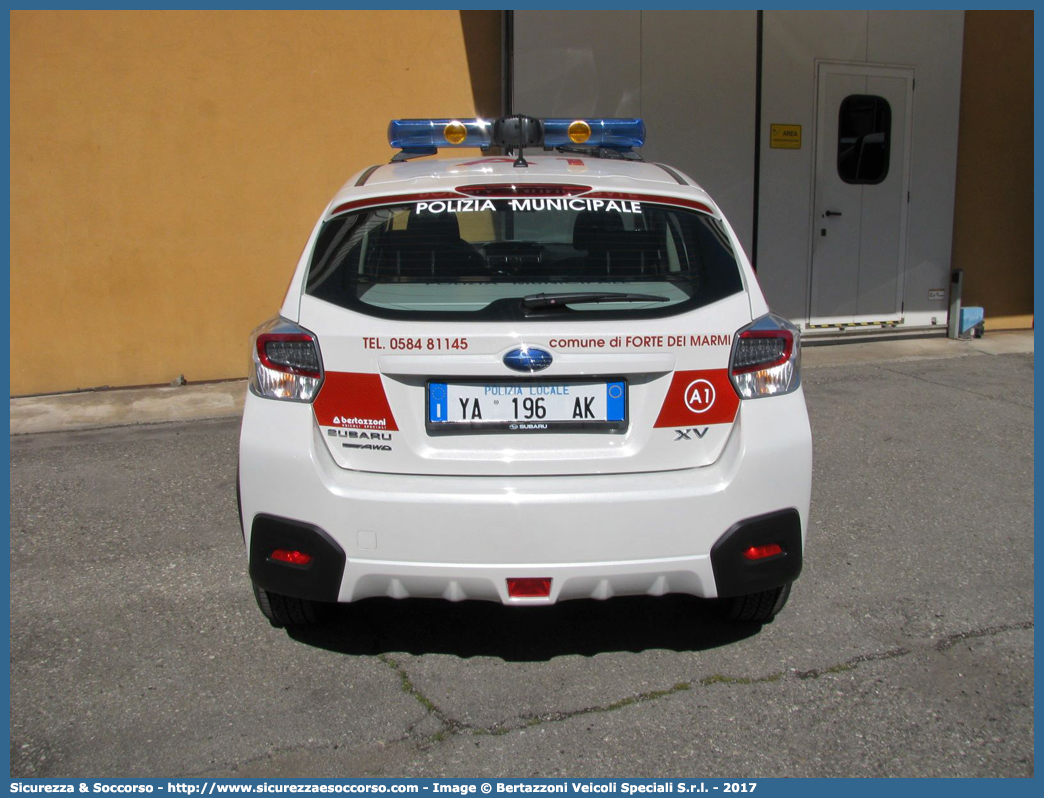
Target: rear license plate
x=527, y=406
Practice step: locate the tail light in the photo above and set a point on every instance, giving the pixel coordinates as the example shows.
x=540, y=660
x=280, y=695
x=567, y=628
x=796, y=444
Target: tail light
x=766, y=358
x=286, y=362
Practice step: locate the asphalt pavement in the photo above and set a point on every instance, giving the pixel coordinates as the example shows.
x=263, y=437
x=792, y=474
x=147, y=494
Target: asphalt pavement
x=906, y=649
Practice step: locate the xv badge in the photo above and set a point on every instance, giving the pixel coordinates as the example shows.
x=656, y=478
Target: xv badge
x=684, y=434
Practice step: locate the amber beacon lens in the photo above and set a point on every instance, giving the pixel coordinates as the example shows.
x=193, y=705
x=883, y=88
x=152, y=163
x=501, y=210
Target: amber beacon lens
x=455, y=132
x=579, y=131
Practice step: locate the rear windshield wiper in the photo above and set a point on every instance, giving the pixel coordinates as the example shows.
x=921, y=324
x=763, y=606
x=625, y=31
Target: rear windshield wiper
x=536, y=301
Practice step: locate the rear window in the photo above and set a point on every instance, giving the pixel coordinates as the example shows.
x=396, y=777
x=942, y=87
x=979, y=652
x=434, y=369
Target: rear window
x=479, y=258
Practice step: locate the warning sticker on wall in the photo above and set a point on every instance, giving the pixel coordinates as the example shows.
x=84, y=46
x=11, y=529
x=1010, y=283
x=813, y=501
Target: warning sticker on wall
x=785, y=137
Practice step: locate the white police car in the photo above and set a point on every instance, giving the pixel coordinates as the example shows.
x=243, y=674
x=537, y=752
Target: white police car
x=524, y=379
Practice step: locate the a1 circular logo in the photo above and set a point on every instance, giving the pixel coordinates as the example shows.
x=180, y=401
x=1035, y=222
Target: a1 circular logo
x=699, y=396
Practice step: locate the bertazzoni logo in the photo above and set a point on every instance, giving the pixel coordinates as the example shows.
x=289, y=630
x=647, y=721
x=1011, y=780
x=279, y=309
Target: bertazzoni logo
x=528, y=359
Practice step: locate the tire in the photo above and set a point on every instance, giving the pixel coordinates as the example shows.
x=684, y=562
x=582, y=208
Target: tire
x=757, y=607
x=285, y=610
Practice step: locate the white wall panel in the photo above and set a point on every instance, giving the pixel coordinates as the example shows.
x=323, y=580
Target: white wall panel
x=792, y=40
x=932, y=42
x=577, y=63
x=691, y=75
x=698, y=81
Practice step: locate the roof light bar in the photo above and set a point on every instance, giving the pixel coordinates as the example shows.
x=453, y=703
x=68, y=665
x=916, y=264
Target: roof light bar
x=426, y=136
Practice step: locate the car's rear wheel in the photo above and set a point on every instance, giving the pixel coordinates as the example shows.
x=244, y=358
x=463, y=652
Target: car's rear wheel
x=285, y=610
x=756, y=607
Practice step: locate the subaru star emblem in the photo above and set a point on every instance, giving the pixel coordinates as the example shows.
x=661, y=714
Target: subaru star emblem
x=527, y=359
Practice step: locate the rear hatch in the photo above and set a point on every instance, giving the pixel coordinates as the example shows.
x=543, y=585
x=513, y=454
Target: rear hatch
x=552, y=332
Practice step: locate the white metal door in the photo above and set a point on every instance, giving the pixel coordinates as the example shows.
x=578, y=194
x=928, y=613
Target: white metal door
x=861, y=194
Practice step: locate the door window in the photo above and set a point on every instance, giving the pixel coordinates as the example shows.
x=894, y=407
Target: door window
x=864, y=134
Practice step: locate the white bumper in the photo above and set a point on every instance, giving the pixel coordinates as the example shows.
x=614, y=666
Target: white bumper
x=459, y=538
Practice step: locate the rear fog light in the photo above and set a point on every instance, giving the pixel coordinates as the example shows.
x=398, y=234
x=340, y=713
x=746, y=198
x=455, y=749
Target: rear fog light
x=539, y=587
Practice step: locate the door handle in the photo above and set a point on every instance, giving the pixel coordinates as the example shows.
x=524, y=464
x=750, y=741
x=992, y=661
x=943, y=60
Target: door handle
x=832, y=213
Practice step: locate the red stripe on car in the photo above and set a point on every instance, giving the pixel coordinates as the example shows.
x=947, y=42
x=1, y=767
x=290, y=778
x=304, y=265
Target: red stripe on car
x=353, y=401
x=701, y=397
x=433, y=196
x=397, y=199
x=624, y=195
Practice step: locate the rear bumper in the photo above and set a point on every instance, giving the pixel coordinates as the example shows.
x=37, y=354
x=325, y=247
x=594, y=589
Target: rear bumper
x=322, y=578
x=595, y=536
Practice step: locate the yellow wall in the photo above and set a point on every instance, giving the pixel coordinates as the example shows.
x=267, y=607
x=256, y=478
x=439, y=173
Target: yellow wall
x=993, y=214
x=167, y=167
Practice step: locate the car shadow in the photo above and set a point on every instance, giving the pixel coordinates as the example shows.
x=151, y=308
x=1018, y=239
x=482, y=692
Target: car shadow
x=516, y=634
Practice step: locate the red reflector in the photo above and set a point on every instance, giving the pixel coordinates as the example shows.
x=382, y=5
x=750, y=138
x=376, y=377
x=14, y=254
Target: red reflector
x=529, y=588
x=761, y=552
x=292, y=557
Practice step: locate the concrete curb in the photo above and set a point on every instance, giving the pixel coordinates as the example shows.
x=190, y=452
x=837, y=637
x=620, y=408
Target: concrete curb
x=851, y=352
x=114, y=408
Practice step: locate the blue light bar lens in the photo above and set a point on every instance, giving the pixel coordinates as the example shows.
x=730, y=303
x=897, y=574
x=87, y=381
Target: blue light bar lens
x=617, y=134
x=423, y=134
